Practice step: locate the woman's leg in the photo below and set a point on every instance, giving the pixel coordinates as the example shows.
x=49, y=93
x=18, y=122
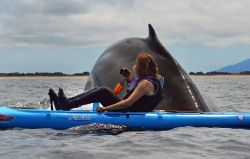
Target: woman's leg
x=82, y=94
x=103, y=95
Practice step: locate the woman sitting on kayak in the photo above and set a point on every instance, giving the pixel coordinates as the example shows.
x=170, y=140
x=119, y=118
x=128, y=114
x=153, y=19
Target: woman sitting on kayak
x=143, y=94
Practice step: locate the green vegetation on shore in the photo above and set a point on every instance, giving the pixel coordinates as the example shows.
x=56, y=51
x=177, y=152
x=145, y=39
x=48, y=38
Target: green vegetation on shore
x=219, y=73
x=15, y=74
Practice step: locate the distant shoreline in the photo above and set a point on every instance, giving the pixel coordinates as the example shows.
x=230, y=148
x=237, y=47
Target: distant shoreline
x=85, y=77
x=42, y=74
x=219, y=73
x=41, y=77
x=226, y=75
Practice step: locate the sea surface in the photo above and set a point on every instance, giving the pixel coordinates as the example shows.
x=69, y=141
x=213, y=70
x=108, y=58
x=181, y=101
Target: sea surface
x=227, y=93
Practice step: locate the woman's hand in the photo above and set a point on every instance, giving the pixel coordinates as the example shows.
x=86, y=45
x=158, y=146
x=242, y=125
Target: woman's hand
x=100, y=109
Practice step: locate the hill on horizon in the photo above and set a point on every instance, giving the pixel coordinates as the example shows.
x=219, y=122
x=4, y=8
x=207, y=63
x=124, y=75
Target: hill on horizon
x=236, y=68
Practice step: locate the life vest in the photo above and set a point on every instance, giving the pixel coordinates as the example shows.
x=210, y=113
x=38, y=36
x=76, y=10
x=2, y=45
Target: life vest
x=146, y=103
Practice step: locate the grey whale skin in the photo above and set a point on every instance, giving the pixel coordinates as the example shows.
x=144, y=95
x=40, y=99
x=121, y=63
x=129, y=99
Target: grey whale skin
x=180, y=93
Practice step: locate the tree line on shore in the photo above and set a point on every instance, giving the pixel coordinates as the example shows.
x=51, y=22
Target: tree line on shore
x=87, y=73
x=219, y=73
x=43, y=74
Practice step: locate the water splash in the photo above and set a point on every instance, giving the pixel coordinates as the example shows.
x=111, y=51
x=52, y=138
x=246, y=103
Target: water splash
x=99, y=129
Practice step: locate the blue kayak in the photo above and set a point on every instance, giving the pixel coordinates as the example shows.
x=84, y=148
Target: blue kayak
x=11, y=118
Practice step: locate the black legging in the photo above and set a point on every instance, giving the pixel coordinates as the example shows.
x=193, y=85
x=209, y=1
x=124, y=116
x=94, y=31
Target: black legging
x=103, y=95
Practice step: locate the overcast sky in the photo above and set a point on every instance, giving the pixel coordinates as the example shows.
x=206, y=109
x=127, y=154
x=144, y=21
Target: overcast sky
x=69, y=35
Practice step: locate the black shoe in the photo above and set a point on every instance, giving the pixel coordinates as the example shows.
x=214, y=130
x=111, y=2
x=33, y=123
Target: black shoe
x=54, y=98
x=61, y=93
x=62, y=99
x=52, y=94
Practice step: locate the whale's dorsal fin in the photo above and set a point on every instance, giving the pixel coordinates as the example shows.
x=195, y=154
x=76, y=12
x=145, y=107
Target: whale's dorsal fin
x=151, y=33
x=154, y=41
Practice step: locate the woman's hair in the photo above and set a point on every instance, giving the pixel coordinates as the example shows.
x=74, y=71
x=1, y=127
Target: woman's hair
x=145, y=65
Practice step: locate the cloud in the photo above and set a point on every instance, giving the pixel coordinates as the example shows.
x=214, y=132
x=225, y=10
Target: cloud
x=95, y=23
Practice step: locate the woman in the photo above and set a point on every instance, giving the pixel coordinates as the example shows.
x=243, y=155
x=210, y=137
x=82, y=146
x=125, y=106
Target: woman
x=143, y=94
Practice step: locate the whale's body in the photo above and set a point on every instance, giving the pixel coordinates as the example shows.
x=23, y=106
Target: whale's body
x=180, y=93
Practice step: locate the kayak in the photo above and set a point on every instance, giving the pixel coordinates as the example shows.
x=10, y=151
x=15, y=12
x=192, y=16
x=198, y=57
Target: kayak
x=33, y=119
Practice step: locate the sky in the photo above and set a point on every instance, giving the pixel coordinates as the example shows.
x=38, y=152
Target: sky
x=69, y=35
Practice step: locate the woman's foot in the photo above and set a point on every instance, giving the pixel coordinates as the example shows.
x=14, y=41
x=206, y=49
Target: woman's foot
x=54, y=98
x=62, y=99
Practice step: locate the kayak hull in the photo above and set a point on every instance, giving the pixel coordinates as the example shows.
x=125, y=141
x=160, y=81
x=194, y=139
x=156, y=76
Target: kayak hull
x=34, y=119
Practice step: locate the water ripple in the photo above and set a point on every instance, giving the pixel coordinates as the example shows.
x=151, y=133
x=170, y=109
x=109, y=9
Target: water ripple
x=111, y=142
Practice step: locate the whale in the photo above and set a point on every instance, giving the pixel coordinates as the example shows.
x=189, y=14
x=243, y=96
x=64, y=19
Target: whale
x=180, y=93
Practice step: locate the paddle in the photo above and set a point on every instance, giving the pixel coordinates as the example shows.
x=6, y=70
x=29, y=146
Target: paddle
x=51, y=104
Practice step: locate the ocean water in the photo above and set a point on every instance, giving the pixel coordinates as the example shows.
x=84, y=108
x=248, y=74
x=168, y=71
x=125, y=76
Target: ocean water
x=227, y=93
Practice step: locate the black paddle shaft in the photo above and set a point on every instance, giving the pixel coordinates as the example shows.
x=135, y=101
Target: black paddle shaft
x=51, y=104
